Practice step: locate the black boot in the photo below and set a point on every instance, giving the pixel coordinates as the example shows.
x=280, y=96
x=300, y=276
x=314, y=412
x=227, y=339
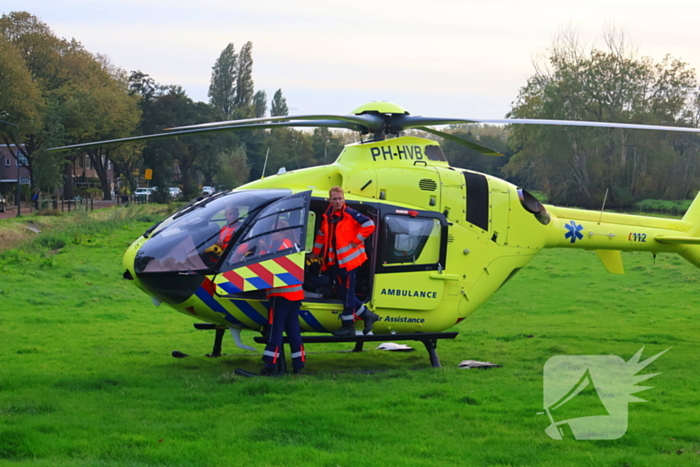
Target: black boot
x=345, y=331
x=369, y=318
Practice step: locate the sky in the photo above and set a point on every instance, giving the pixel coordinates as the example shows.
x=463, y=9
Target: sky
x=438, y=58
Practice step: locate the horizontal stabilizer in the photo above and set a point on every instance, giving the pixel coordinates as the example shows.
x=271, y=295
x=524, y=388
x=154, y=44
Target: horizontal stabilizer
x=678, y=240
x=612, y=260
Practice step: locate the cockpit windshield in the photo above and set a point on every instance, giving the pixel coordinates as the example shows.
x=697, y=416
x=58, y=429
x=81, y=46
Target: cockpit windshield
x=197, y=239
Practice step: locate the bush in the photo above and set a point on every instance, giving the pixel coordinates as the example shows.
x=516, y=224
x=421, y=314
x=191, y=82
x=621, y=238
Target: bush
x=621, y=197
x=91, y=192
x=49, y=212
x=50, y=242
x=675, y=207
x=161, y=196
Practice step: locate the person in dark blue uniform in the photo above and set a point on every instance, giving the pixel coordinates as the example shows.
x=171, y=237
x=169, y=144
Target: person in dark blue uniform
x=283, y=317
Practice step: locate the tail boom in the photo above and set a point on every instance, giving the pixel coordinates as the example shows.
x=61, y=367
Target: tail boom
x=590, y=230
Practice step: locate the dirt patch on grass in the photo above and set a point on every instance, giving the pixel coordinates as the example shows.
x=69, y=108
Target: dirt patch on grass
x=12, y=236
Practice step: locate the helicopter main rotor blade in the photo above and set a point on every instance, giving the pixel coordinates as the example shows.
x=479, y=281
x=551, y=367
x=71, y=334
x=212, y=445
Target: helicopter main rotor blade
x=456, y=139
x=372, y=122
x=254, y=126
x=404, y=122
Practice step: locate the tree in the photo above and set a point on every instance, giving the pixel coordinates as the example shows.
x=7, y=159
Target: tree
x=20, y=100
x=576, y=165
x=260, y=104
x=188, y=154
x=289, y=148
x=326, y=146
x=493, y=137
x=244, y=82
x=33, y=62
x=143, y=85
x=224, y=77
x=127, y=160
x=166, y=109
x=82, y=98
x=101, y=108
x=233, y=168
x=278, y=107
x=195, y=148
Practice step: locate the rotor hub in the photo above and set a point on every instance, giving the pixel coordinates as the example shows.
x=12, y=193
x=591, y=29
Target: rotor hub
x=380, y=108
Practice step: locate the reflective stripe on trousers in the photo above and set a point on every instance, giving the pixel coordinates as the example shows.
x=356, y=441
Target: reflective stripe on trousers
x=284, y=317
x=345, y=291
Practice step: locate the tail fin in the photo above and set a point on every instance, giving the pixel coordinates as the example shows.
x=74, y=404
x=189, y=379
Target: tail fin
x=692, y=215
x=691, y=253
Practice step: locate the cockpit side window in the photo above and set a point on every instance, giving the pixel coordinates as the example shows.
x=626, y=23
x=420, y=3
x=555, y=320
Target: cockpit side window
x=411, y=240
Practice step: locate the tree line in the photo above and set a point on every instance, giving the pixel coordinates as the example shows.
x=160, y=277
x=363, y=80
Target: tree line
x=576, y=165
x=56, y=92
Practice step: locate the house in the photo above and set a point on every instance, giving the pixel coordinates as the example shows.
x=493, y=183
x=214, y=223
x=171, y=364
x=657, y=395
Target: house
x=82, y=173
x=9, y=170
x=85, y=176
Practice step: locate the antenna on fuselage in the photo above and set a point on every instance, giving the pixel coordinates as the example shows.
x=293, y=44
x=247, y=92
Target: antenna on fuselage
x=262, y=175
x=603, y=208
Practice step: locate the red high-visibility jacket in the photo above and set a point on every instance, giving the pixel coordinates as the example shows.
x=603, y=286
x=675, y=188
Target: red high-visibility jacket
x=225, y=235
x=290, y=292
x=334, y=241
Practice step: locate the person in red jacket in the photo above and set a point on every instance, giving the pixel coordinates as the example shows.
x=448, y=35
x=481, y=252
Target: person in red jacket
x=231, y=226
x=340, y=244
x=214, y=252
x=285, y=302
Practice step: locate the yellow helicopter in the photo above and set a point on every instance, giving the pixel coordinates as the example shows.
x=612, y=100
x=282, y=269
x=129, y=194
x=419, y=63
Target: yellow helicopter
x=446, y=239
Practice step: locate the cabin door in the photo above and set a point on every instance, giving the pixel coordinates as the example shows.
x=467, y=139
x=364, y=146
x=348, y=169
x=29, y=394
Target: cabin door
x=412, y=250
x=271, y=251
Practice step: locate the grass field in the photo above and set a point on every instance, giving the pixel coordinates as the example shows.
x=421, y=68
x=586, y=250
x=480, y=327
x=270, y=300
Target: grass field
x=86, y=376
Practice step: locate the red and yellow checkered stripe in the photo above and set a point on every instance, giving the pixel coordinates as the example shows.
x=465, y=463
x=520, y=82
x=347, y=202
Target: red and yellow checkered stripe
x=277, y=272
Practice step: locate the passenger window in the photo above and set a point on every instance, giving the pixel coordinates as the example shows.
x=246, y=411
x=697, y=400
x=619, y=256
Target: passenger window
x=411, y=240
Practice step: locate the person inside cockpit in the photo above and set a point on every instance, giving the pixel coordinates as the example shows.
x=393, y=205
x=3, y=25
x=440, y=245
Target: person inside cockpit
x=232, y=224
x=225, y=234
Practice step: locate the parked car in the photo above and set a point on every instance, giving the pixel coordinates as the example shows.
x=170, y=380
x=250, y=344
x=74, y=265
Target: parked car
x=146, y=192
x=208, y=190
x=3, y=204
x=175, y=192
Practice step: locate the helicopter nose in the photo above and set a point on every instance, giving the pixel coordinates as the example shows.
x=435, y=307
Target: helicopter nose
x=171, y=287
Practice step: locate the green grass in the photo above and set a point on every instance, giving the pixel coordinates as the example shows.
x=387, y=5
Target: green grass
x=86, y=376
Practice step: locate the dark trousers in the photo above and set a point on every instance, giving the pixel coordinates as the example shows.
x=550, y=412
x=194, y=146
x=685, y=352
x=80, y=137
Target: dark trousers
x=284, y=316
x=345, y=291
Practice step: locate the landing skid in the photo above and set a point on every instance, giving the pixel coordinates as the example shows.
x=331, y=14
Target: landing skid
x=218, y=338
x=429, y=340
x=244, y=373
